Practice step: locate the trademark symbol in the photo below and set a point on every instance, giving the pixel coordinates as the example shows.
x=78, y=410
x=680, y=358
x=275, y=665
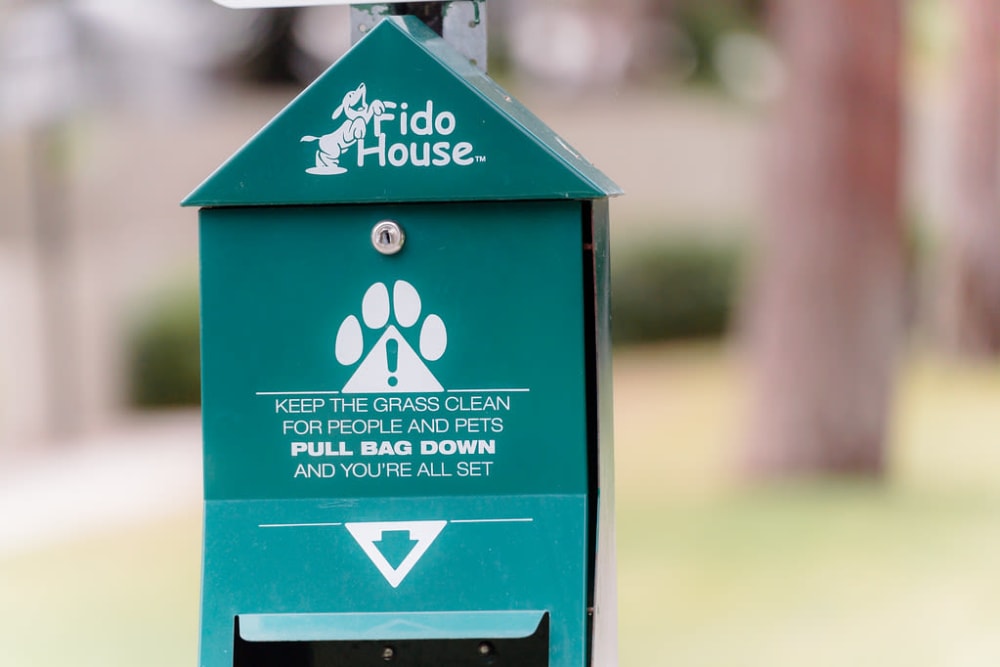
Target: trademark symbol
x=480, y=159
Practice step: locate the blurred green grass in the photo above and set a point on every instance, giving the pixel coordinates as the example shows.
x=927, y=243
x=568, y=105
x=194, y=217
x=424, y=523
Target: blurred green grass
x=717, y=573
x=712, y=572
x=126, y=597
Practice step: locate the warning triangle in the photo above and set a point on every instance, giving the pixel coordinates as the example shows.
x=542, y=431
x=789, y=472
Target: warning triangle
x=367, y=535
x=407, y=373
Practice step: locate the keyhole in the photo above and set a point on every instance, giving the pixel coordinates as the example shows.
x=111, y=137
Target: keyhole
x=391, y=360
x=388, y=237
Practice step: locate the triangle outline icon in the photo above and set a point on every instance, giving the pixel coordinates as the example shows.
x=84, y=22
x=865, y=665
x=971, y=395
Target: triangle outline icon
x=368, y=533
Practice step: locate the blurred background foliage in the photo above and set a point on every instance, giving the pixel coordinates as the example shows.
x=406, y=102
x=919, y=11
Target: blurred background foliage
x=163, y=347
x=705, y=26
x=693, y=281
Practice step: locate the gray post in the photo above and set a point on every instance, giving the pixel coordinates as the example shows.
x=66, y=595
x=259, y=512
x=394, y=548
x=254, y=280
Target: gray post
x=462, y=23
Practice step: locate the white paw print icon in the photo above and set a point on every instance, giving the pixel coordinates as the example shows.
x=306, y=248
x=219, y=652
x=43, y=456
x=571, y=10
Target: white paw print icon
x=391, y=365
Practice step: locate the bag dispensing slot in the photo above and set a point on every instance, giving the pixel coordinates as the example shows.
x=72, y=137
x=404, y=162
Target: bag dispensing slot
x=396, y=649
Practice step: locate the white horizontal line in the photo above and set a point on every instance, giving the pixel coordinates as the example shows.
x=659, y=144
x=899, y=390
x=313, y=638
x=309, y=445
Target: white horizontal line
x=296, y=525
x=491, y=520
x=333, y=393
x=294, y=393
x=483, y=391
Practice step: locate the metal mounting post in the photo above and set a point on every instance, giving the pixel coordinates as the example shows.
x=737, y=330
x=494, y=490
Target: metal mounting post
x=462, y=23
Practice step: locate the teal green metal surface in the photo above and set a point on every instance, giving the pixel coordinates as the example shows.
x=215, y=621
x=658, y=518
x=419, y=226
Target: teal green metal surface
x=412, y=446
x=512, y=554
x=396, y=434
x=277, y=290
x=402, y=118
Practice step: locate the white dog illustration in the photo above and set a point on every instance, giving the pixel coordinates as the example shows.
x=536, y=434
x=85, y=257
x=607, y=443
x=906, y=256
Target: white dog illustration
x=358, y=114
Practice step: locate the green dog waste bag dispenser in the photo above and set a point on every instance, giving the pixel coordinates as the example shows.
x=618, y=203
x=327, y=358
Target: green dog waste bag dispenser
x=406, y=378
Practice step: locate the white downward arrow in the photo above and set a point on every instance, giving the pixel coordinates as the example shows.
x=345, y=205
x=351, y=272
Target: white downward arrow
x=367, y=534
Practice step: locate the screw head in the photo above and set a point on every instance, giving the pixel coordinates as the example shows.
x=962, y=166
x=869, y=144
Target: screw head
x=388, y=237
x=485, y=648
x=388, y=653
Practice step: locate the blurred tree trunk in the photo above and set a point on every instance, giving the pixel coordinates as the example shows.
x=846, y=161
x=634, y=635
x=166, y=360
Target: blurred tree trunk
x=825, y=302
x=971, y=278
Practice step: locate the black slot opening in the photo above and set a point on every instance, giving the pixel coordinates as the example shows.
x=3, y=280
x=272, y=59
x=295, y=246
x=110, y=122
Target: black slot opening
x=531, y=651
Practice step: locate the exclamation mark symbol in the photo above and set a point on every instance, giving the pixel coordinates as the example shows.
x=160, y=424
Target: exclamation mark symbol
x=391, y=360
